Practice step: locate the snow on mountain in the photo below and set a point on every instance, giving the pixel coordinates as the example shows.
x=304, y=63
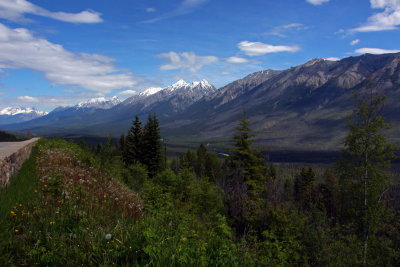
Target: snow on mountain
x=178, y=85
x=99, y=102
x=182, y=85
x=12, y=111
x=151, y=91
x=11, y=115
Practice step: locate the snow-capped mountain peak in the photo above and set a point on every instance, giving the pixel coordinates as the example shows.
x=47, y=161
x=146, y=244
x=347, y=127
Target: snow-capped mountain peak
x=21, y=110
x=178, y=85
x=99, y=102
x=151, y=91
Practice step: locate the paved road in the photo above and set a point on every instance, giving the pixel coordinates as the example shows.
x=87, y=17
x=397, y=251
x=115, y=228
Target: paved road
x=8, y=148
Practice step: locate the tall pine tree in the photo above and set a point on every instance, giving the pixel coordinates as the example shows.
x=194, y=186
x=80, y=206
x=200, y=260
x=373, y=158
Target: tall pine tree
x=363, y=171
x=152, y=144
x=134, y=143
x=250, y=160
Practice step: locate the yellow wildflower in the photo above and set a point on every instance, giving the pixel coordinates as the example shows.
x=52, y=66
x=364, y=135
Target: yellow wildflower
x=16, y=230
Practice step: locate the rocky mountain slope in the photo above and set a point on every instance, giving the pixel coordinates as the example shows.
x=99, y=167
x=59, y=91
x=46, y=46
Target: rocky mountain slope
x=303, y=107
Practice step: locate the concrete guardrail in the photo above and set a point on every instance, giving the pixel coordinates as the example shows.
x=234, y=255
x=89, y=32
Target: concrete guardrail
x=12, y=156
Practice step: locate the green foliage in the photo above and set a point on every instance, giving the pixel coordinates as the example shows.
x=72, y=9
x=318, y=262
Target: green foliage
x=364, y=175
x=152, y=157
x=303, y=187
x=135, y=176
x=134, y=143
x=143, y=145
x=250, y=160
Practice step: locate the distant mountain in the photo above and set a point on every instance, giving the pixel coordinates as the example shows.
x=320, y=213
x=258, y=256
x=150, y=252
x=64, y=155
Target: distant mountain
x=10, y=115
x=98, y=103
x=91, y=117
x=303, y=107
x=173, y=98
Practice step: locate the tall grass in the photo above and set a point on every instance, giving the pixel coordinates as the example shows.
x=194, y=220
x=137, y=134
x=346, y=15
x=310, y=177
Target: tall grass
x=63, y=210
x=19, y=191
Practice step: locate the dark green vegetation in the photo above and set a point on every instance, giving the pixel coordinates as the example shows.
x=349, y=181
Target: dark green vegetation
x=201, y=210
x=8, y=137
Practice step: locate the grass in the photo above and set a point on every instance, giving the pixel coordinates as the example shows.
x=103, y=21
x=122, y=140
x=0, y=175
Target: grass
x=20, y=190
x=63, y=209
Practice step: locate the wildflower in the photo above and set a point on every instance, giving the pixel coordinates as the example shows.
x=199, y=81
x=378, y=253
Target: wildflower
x=16, y=231
x=105, y=196
x=13, y=213
x=45, y=185
x=20, y=205
x=35, y=191
x=52, y=222
x=108, y=236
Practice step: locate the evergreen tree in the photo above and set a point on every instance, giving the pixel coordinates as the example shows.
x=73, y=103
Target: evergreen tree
x=134, y=143
x=152, y=156
x=303, y=187
x=272, y=171
x=122, y=144
x=250, y=160
x=329, y=191
x=364, y=168
x=201, y=161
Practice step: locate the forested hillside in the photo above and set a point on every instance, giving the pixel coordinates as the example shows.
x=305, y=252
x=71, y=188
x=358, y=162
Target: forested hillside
x=129, y=204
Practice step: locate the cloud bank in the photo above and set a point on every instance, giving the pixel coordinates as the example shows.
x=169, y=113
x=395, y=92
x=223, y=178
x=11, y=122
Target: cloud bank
x=20, y=49
x=389, y=19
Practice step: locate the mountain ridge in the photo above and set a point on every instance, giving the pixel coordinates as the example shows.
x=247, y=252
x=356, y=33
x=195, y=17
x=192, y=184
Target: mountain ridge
x=301, y=107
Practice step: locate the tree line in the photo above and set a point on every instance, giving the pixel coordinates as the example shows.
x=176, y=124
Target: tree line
x=349, y=216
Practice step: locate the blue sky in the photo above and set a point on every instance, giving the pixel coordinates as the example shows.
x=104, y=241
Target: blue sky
x=55, y=52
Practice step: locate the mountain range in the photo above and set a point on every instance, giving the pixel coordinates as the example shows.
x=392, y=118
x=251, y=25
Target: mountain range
x=19, y=114
x=303, y=107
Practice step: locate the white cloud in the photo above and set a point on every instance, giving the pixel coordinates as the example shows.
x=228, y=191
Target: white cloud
x=354, y=42
x=14, y=10
x=28, y=99
x=186, y=7
x=389, y=19
x=127, y=93
x=317, y=2
x=376, y=51
x=237, y=60
x=333, y=58
x=150, y=9
x=258, y=48
x=279, y=30
x=186, y=60
x=19, y=49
